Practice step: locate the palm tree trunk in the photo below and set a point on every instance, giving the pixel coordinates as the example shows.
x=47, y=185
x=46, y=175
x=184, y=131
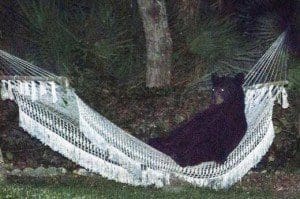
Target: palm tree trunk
x=1, y=156
x=158, y=42
x=2, y=170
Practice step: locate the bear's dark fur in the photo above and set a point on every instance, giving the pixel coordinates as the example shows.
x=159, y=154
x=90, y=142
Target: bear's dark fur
x=212, y=134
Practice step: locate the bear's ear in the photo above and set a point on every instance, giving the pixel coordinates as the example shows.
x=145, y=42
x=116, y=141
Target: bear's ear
x=239, y=78
x=214, y=79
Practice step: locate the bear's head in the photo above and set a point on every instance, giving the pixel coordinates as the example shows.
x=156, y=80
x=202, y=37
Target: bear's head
x=227, y=89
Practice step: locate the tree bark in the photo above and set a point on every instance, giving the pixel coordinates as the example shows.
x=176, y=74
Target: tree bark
x=1, y=157
x=2, y=170
x=158, y=42
x=298, y=116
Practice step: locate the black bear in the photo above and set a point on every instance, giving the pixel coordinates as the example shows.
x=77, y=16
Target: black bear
x=210, y=135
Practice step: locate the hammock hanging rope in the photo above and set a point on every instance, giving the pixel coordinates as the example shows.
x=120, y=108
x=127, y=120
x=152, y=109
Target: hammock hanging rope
x=84, y=136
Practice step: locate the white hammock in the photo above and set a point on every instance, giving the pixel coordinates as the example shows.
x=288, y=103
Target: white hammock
x=56, y=116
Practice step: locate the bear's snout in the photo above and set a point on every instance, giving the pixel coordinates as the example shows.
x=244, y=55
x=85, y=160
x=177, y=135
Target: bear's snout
x=218, y=98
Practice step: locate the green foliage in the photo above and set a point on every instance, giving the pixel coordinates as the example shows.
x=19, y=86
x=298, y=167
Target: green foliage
x=215, y=40
x=213, y=44
x=51, y=39
x=94, y=35
x=294, y=75
x=209, y=42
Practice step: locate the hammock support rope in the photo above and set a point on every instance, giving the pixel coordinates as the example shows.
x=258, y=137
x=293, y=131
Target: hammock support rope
x=84, y=136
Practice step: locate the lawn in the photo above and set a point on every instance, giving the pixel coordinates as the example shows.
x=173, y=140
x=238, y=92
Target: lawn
x=84, y=187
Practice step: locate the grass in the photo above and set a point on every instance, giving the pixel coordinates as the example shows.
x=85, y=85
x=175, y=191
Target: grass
x=87, y=187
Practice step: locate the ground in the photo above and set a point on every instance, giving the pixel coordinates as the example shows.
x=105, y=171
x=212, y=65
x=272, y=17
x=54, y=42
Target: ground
x=280, y=184
x=255, y=185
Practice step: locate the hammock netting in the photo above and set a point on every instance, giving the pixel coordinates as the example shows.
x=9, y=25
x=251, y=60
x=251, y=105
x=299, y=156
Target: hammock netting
x=52, y=112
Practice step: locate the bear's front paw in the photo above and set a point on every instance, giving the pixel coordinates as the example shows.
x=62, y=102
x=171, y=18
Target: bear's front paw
x=222, y=161
x=221, y=158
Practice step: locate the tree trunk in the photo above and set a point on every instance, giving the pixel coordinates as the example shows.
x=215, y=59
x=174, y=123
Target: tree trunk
x=1, y=157
x=298, y=116
x=158, y=42
x=2, y=170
